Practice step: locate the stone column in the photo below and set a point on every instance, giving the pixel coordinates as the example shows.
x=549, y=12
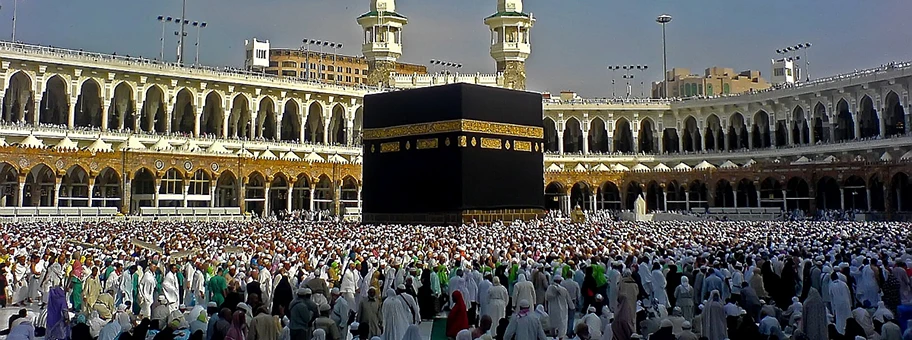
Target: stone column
x=303, y=129
x=212, y=194
x=313, y=187
x=197, y=117
x=337, y=199
x=104, y=116
x=126, y=197
x=857, y=120
x=288, y=199
x=868, y=195
x=359, y=198
x=790, y=137
x=735, y=197
x=20, y=194
x=758, y=196
x=91, y=189
x=242, y=194
x=155, y=194
x=610, y=136
x=225, y=123
x=186, y=192
x=169, y=113
x=560, y=142
x=841, y=198
x=702, y=140
x=750, y=139
x=681, y=142
x=687, y=200
x=811, y=133
x=71, y=114
x=585, y=142
x=56, y=192
x=660, y=141
x=727, y=142
x=592, y=202
x=664, y=200
x=266, y=197
x=784, y=200
x=882, y=127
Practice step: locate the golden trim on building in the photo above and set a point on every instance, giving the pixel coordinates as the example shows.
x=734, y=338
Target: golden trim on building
x=428, y=143
x=389, y=147
x=520, y=145
x=457, y=125
x=491, y=143
x=462, y=141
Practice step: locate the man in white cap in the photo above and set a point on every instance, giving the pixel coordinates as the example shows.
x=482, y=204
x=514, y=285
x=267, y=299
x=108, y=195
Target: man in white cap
x=161, y=312
x=558, y=302
x=302, y=315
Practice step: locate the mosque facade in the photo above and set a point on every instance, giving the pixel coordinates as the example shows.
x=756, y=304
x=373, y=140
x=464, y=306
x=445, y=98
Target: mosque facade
x=84, y=130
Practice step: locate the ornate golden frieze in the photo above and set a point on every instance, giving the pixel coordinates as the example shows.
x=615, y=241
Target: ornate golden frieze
x=458, y=125
x=428, y=143
x=490, y=143
x=522, y=145
x=389, y=147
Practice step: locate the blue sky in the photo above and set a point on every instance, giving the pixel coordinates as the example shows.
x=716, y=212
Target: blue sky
x=573, y=40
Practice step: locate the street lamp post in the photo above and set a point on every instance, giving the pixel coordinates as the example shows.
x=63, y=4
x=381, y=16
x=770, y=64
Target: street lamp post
x=664, y=19
x=199, y=26
x=15, y=11
x=628, y=75
x=445, y=65
x=335, y=47
x=163, y=19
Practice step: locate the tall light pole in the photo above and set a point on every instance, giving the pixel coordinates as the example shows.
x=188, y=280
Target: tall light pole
x=664, y=19
x=199, y=25
x=335, y=47
x=15, y=11
x=183, y=33
x=628, y=74
x=163, y=19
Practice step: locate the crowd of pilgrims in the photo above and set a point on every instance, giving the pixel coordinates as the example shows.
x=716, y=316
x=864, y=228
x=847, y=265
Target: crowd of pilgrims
x=548, y=279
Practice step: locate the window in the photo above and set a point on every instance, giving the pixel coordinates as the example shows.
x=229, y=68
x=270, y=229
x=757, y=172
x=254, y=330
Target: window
x=709, y=89
x=304, y=65
x=348, y=70
x=289, y=64
x=272, y=72
x=172, y=183
x=273, y=64
x=699, y=89
x=348, y=79
x=726, y=88
x=339, y=77
x=357, y=71
x=249, y=54
x=322, y=67
x=339, y=69
x=788, y=72
x=261, y=54
x=199, y=183
x=289, y=73
x=313, y=75
x=778, y=72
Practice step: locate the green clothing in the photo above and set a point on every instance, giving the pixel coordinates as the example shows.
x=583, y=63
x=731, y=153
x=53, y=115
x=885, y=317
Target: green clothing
x=598, y=274
x=217, y=286
x=76, y=295
x=443, y=276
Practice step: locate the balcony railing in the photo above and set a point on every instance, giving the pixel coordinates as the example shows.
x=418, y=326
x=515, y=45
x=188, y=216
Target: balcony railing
x=141, y=62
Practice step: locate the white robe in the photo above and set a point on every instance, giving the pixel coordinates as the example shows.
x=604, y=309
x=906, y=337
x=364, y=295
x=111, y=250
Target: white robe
x=658, y=287
x=523, y=290
x=594, y=322
x=20, y=289
x=841, y=303
x=171, y=290
x=497, y=303
x=147, y=294
x=396, y=318
x=267, y=286
x=126, y=288
x=558, y=301
x=868, y=290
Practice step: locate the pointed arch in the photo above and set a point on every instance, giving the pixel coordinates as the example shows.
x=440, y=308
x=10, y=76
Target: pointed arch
x=868, y=120
x=828, y=197
x=107, y=189
x=213, y=119
x=266, y=124
x=845, y=124
x=313, y=130
x=74, y=188
x=798, y=194
x=598, y=137
x=240, y=124
x=901, y=192
x=714, y=134
x=697, y=195
x=551, y=140
x=725, y=194
x=122, y=112
x=573, y=135
x=9, y=185
x=820, y=124
x=357, y=125
x=153, y=111
x=183, y=118
x=646, y=135
x=623, y=136
x=553, y=193
x=337, y=126
x=301, y=193
x=226, y=190
x=633, y=191
x=800, y=129
x=761, y=130
x=655, y=197
x=609, y=196
x=348, y=193
x=855, y=193
x=324, y=194
x=291, y=121
x=39, y=187
x=55, y=102
x=894, y=115
x=18, y=99
x=737, y=132
x=691, y=134
x=581, y=196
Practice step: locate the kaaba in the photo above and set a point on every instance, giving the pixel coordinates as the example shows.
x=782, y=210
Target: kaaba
x=452, y=154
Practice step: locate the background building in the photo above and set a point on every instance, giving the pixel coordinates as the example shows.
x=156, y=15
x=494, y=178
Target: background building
x=714, y=81
x=327, y=67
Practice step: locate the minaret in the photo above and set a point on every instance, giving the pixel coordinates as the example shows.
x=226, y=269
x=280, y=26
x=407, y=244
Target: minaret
x=510, y=44
x=382, y=40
